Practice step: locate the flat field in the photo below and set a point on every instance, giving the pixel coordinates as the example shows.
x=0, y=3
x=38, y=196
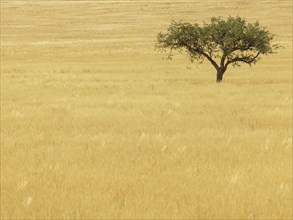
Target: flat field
x=95, y=124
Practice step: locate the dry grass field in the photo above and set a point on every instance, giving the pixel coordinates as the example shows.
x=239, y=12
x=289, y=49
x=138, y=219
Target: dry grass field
x=96, y=125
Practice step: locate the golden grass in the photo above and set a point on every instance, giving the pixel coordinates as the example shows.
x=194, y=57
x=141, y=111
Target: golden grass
x=94, y=124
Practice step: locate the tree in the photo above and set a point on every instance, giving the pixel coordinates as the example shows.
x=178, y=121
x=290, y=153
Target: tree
x=222, y=42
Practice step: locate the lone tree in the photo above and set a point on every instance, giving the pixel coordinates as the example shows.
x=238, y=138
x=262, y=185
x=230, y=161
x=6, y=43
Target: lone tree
x=222, y=42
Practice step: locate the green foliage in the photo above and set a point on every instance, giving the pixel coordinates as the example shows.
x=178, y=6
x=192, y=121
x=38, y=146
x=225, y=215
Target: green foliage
x=222, y=42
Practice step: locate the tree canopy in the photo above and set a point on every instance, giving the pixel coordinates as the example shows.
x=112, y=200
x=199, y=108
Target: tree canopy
x=223, y=42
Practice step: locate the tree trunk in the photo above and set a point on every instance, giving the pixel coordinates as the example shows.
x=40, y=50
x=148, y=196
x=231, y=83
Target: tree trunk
x=220, y=73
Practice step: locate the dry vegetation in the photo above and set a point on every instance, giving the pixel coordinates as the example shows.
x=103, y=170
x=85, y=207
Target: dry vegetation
x=94, y=124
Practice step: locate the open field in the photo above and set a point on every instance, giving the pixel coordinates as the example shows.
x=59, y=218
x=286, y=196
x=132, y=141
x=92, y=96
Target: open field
x=95, y=124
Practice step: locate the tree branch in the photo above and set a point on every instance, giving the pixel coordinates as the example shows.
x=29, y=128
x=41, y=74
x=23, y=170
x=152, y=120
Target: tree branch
x=247, y=59
x=210, y=59
x=197, y=50
x=223, y=59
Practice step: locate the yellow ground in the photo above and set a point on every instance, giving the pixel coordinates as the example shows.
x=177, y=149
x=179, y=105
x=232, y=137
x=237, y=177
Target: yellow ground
x=94, y=124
